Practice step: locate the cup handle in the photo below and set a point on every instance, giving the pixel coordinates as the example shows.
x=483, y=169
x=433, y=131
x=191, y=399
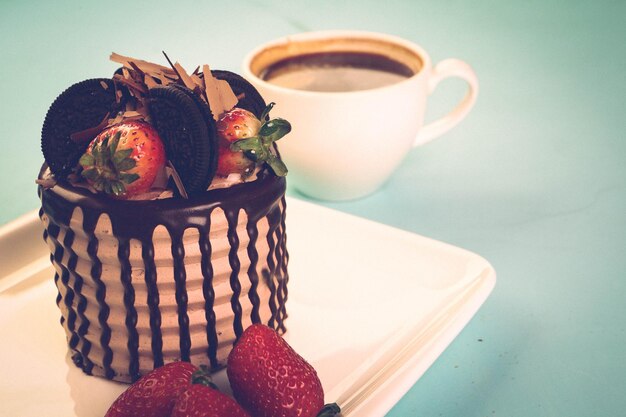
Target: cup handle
x=446, y=69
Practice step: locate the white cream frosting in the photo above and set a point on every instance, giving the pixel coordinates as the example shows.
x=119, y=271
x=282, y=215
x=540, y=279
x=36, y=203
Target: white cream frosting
x=111, y=272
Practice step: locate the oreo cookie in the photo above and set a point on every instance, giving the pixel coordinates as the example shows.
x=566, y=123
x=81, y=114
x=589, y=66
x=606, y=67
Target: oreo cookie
x=202, y=105
x=82, y=106
x=251, y=100
x=211, y=127
x=187, y=129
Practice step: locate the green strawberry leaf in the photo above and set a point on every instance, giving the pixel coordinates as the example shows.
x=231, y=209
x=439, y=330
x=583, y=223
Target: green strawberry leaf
x=329, y=410
x=128, y=178
x=119, y=156
x=266, y=111
x=277, y=165
x=90, y=174
x=261, y=154
x=99, y=184
x=249, y=144
x=87, y=160
x=114, y=142
x=254, y=148
x=259, y=148
x=101, y=157
x=118, y=188
x=125, y=164
x=251, y=155
x=202, y=376
x=274, y=129
x=95, y=151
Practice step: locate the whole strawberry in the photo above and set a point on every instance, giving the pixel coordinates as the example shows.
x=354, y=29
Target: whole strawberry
x=244, y=141
x=124, y=160
x=204, y=401
x=154, y=394
x=234, y=125
x=237, y=124
x=269, y=379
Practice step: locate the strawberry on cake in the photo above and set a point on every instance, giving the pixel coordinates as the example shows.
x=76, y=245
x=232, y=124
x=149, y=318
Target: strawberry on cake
x=163, y=201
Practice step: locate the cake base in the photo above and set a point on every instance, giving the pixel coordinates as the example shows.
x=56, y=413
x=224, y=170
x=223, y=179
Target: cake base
x=144, y=283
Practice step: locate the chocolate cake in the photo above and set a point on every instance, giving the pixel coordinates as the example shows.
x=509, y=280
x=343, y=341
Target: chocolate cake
x=162, y=275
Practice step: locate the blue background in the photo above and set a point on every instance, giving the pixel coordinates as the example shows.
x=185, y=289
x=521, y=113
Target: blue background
x=534, y=179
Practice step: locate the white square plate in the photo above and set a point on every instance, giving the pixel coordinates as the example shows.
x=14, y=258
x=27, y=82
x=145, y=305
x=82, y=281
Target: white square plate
x=370, y=307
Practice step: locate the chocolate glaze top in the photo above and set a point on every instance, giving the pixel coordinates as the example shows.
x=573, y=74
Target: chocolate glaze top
x=176, y=214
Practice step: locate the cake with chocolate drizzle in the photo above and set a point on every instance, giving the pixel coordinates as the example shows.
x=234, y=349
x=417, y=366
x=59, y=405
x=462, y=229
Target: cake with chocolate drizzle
x=163, y=201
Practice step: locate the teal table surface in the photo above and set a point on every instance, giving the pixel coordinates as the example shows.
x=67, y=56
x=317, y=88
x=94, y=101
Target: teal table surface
x=534, y=179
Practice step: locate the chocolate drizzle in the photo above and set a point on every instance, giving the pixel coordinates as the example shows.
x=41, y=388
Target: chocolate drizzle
x=235, y=266
x=89, y=226
x=66, y=288
x=123, y=254
x=136, y=221
x=147, y=254
x=59, y=297
x=209, y=295
x=280, y=291
x=267, y=278
x=283, y=276
x=82, y=301
x=180, y=277
x=253, y=255
x=273, y=219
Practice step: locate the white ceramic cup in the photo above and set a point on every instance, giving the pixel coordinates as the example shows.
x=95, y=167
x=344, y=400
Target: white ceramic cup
x=345, y=145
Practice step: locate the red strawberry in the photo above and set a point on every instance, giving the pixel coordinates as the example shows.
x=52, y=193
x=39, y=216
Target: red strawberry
x=124, y=160
x=234, y=125
x=229, y=162
x=270, y=379
x=245, y=142
x=237, y=124
x=154, y=394
x=203, y=401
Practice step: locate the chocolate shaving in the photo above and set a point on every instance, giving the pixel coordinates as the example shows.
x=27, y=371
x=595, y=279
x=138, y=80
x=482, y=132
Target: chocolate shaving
x=219, y=94
x=47, y=182
x=177, y=181
x=199, y=87
x=138, y=114
x=118, y=93
x=165, y=194
x=171, y=65
x=131, y=84
x=136, y=68
x=139, y=76
x=165, y=80
x=132, y=115
x=147, y=67
x=149, y=81
x=90, y=133
x=197, y=81
x=184, y=77
x=152, y=195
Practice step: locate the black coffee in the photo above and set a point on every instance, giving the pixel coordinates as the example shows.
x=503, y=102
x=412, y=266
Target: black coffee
x=336, y=71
